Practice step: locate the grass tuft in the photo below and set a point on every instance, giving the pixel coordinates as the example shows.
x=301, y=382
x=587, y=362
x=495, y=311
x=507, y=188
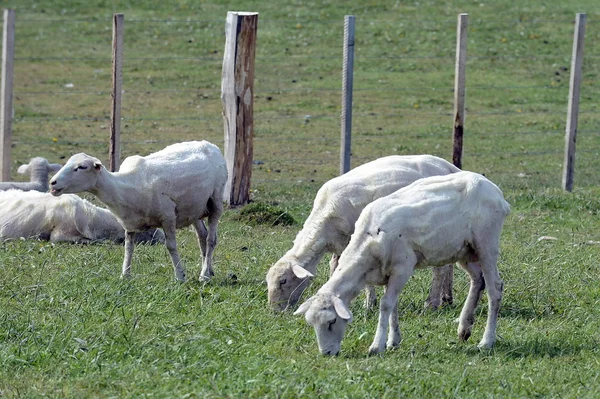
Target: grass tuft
x=260, y=213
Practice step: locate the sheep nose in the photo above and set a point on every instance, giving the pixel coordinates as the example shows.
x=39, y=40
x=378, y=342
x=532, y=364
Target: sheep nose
x=52, y=182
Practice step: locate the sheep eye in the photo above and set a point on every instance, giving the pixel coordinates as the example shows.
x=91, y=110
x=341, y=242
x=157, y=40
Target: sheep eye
x=282, y=281
x=79, y=167
x=331, y=323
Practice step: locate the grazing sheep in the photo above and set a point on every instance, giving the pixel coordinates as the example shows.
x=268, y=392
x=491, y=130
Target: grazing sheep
x=329, y=226
x=38, y=168
x=434, y=221
x=67, y=218
x=172, y=188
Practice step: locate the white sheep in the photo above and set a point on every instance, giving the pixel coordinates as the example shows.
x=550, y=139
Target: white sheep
x=38, y=169
x=336, y=208
x=434, y=221
x=172, y=188
x=67, y=218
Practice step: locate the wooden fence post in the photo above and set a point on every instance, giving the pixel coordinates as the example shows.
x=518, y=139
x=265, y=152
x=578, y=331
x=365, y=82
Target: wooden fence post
x=6, y=100
x=573, y=107
x=459, y=90
x=347, y=84
x=237, y=96
x=114, y=151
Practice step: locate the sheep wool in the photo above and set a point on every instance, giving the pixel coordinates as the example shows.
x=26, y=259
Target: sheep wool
x=172, y=188
x=432, y=222
x=330, y=224
x=69, y=218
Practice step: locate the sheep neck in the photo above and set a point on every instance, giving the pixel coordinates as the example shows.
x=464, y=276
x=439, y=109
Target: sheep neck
x=116, y=191
x=348, y=279
x=307, y=251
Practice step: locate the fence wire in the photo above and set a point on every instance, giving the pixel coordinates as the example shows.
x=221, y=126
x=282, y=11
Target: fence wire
x=298, y=92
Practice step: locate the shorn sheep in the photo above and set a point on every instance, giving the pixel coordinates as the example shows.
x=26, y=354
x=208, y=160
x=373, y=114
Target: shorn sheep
x=172, y=188
x=329, y=226
x=434, y=221
x=67, y=218
x=38, y=169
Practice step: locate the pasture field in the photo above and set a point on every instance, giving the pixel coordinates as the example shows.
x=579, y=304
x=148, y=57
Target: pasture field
x=69, y=327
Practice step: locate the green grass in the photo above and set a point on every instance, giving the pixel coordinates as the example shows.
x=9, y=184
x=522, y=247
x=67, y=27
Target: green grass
x=69, y=327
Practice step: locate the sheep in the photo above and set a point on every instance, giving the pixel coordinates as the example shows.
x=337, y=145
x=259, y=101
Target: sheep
x=172, y=188
x=38, y=168
x=68, y=218
x=434, y=221
x=336, y=208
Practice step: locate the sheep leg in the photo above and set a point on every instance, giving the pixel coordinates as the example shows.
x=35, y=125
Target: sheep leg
x=333, y=263
x=394, y=336
x=129, y=245
x=202, y=234
x=215, y=208
x=370, y=297
x=467, y=315
x=389, y=301
x=171, y=243
x=441, y=287
x=494, y=292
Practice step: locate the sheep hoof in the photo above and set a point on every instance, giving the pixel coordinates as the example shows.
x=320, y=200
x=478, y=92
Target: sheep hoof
x=485, y=344
x=204, y=279
x=126, y=276
x=432, y=304
x=375, y=350
x=464, y=335
x=393, y=344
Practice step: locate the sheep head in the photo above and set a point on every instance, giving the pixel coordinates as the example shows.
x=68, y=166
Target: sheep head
x=39, y=167
x=80, y=173
x=286, y=281
x=329, y=316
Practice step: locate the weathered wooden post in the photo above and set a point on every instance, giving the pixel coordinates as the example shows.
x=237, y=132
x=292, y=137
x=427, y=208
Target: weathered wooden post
x=114, y=150
x=573, y=106
x=347, y=86
x=237, y=96
x=459, y=90
x=6, y=99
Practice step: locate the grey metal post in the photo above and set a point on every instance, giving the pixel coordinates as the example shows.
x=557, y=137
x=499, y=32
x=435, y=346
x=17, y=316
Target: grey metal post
x=347, y=82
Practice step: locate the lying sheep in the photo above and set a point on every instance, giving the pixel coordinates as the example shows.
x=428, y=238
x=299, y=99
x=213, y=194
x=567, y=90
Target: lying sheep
x=68, y=218
x=329, y=226
x=434, y=221
x=172, y=188
x=38, y=168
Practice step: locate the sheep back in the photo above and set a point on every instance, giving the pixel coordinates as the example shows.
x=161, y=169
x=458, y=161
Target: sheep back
x=189, y=174
x=437, y=217
x=340, y=201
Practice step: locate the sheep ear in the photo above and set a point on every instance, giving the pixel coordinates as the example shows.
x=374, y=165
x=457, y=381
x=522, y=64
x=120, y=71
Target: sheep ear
x=23, y=169
x=301, y=272
x=304, y=307
x=97, y=164
x=55, y=167
x=341, y=309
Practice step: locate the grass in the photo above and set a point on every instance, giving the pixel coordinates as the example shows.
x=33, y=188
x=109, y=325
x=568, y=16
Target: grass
x=69, y=327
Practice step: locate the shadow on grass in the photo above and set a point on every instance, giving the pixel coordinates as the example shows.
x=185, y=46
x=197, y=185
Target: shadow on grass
x=538, y=347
